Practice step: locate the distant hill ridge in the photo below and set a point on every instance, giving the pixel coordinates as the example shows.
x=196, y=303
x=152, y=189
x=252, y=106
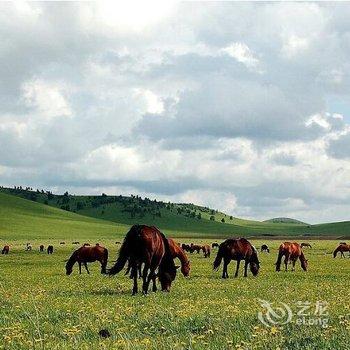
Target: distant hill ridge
x=283, y=220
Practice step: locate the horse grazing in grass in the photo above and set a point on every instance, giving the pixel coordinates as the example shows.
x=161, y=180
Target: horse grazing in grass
x=306, y=245
x=177, y=252
x=291, y=252
x=186, y=248
x=41, y=248
x=265, y=248
x=206, y=250
x=50, y=249
x=85, y=255
x=148, y=246
x=237, y=249
x=341, y=248
x=5, y=250
x=215, y=245
x=195, y=248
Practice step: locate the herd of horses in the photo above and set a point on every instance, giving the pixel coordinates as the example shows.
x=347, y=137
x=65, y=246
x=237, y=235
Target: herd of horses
x=148, y=254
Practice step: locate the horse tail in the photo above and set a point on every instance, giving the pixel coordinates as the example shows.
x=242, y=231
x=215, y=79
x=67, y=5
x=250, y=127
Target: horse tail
x=219, y=257
x=279, y=258
x=125, y=249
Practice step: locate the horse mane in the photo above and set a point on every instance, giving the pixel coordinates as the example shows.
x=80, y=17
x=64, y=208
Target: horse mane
x=72, y=260
x=167, y=263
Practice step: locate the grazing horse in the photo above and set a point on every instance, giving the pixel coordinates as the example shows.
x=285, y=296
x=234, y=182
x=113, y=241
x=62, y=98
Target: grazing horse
x=237, y=249
x=341, y=248
x=50, y=249
x=306, y=245
x=206, y=250
x=62, y=243
x=28, y=247
x=177, y=252
x=195, y=248
x=265, y=248
x=41, y=248
x=215, y=245
x=148, y=246
x=291, y=252
x=5, y=250
x=76, y=242
x=85, y=255
x=186, y=248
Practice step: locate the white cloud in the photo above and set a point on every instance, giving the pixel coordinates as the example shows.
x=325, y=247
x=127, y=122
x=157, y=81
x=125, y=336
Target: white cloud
x=242, y=54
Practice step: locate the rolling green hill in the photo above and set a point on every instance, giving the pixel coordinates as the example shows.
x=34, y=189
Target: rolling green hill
x=26, y=213
x=286, y=221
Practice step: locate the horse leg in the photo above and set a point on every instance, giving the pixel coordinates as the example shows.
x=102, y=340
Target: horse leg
x=286, y=260
x=293, y=264
x=246, y=267
x=237, y=267
x=342, y=255
x=103, y=266
x=224, y=269
x=86, y=268
x=134, y=275
x=145, y=278
x=79, y=268
x=154, y=280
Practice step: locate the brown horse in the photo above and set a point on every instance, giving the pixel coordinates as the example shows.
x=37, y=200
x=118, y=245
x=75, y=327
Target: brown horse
x=341, y=248
x=195, y=248
x=206, y=250
x=306, y=245
x=148, y=246
x=41, y=248
x=84, y=255
x=215, y=245
x=50, y=249
x=291, y=252
x=237, y=249
x=177, y=252
x=5, y=250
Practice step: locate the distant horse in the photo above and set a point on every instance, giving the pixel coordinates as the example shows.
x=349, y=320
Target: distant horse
x=237, y=249
x=186, y=248
x=291, y=252
x=76, y=242
x=177, y=252
x=195, y=248
x=265, y=248
x=306, y=245
x=62, y=243
x=215, y=245
x=41, y=248
x=85, y=255
x=342, y=243
x=148, y=246
x=50, y=249
x=206, y=250
x=28, y=247
x=86, y=245
x=341, y=248
x=5, y=250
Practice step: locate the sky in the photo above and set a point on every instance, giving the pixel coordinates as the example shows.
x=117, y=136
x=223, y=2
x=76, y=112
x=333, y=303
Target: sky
x=242, y=107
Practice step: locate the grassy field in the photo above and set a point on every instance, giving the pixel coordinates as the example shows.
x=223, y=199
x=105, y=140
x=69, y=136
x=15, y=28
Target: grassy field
x=44, y=309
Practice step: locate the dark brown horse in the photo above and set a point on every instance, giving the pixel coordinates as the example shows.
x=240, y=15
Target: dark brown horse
x=41, y=248
x=5, y=250
x=305, y=245
x=50, y=249
x=148, y=246
x=215, y=245
x=206, y=250
x=291, y=252
x=341, y=248
x=177, y=252
x=85, y=255
x=265, y=248
x=195, y=248
x=237, y=249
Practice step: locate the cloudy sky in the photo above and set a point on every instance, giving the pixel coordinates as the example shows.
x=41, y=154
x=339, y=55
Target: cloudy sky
x=244, y=107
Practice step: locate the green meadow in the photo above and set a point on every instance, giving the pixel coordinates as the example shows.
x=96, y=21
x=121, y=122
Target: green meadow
x=42, y=308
